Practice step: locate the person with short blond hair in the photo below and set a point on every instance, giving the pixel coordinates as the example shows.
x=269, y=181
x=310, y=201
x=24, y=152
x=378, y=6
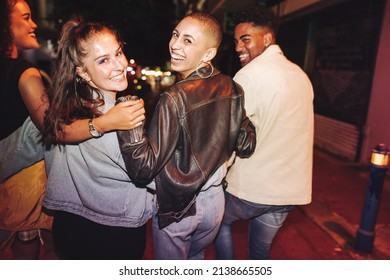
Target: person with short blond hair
x=197, y=125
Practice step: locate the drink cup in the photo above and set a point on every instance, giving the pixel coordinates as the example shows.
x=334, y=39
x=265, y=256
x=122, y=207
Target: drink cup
x=135, y=134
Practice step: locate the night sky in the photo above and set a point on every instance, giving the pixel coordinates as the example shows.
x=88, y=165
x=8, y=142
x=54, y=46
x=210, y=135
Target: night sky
x=145, y=25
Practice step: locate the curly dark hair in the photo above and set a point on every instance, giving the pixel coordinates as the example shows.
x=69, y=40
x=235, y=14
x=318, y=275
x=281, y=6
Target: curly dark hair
x=6, y=7
x=259, y=16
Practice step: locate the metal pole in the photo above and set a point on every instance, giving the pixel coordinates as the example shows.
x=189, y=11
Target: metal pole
x=366, y=232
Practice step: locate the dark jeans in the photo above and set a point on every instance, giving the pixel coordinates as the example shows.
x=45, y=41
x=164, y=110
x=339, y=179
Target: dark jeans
x=77, y=238
x=265, y=221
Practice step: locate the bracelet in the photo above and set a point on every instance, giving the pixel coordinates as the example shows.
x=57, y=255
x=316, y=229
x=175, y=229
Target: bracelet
x=92, y=129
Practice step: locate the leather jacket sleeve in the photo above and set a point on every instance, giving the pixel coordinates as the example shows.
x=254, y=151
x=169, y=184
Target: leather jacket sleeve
x=168, y=151
x=246, y=142
x=144, y=160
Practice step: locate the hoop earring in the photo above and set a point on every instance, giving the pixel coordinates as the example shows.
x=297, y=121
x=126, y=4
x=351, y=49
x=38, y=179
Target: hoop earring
x=208, y=65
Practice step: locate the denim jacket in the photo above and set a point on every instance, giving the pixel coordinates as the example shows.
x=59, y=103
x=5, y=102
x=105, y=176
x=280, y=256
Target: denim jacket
x=90, y=179
x=20, y=149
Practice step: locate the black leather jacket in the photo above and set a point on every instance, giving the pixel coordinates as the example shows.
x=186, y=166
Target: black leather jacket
x=196, y=126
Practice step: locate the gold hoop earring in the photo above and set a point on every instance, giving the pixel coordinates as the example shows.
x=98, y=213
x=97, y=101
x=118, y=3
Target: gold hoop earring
x=209, y=65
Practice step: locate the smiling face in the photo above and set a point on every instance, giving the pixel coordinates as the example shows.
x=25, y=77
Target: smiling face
x=23, y=28
x=251, y=41
x=189, y=46
x=105, y=65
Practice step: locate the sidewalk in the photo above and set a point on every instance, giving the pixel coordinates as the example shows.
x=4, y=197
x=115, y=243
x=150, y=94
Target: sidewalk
x=339, y=192
x=326, y=229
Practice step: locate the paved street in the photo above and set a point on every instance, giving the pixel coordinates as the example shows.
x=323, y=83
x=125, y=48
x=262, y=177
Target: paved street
x=326, y=229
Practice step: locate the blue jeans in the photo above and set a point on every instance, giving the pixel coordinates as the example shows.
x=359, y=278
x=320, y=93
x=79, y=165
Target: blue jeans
x=265, y=221
x=189, y=238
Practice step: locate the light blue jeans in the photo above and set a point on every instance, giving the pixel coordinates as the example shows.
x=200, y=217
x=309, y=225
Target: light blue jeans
x=189, y=238
x=265, y=221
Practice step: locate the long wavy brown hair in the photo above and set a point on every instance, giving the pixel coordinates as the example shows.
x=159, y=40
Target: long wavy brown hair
x=6, y=7
x=70, y=97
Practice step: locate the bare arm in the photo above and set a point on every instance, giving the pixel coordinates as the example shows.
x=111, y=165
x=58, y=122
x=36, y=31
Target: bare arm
x=34, y=95
x=124, y=116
